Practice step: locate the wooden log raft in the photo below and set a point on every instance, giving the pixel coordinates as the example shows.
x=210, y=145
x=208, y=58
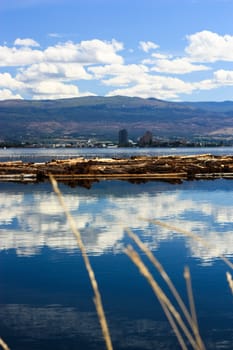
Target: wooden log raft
x=170, y=168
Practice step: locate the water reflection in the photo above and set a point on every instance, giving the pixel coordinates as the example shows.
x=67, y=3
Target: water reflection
x=46, y=154
x=55, y=323
x=45, y=294
x=31, y=217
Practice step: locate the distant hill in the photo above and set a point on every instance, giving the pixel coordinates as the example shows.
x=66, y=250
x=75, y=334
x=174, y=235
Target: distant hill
x=24, y=120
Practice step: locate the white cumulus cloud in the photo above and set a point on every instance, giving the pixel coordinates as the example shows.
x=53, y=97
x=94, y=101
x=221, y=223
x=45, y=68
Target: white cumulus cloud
x=26, y=42
x=17, y=57
x=6, y=94
x=7, y=81
x=122, y=74
x=177, y=66
x=52, y=89
x=220, y=78
x=146, y=46
x=86, y=52
x=55, y=71
x=207, y=46
x=224, y=77
x=155, y=56
x=47, y=73
x=156, y=86
x=46, y=70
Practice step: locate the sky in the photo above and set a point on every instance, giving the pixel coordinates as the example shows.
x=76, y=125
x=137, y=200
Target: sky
x=176, y=50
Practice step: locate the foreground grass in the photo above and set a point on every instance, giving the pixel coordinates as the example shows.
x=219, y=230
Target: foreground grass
x=182, y=319
x=94, y=284
x=183, y=322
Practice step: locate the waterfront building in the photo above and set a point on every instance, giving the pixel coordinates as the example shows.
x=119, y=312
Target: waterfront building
x=146, y=139
x=123, y=139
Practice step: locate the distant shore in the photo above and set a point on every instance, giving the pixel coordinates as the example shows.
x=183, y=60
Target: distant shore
x=172, y=168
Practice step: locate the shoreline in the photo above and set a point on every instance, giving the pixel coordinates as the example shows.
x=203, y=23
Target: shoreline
x=172, y=168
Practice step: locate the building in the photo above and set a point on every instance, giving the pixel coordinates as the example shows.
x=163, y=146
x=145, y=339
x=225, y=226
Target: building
x=146, y=139
x=123, y=139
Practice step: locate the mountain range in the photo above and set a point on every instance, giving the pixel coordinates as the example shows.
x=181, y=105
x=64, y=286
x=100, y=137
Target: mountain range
x=103, y=117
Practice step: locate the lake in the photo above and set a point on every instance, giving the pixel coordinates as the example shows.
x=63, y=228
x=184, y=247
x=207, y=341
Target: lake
x=45, y=294
x=45, y=154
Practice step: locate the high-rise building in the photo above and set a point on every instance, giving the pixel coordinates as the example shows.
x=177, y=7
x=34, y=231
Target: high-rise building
x=123, y=138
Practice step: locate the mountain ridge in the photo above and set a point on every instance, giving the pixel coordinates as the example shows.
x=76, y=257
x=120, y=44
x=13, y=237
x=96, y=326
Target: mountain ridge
x=104, y=116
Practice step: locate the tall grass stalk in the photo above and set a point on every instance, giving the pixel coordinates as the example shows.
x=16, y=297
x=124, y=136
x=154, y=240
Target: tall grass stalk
x=133, y=255
x=192, y=235
x=163, y=273
x=4, y=345
x=187, y=277
x=94, y=284
x=230, y=281
x=202, y=241
x=187, y=330
x=191, y=319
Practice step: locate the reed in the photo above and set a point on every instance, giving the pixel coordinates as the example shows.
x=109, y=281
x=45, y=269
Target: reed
x=182, y=330
x=230, y=281
x=202, y=241
x=195, y=327
x=183, y=322
x=97, y=296
x=163, y=273
x=4, y=345
x=179, y=326
x=191, y=235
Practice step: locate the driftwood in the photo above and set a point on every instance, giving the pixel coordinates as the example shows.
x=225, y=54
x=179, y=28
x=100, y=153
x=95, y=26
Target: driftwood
x=136, y=168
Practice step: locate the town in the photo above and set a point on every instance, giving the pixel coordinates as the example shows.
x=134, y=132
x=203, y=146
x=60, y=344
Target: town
x=122, y=139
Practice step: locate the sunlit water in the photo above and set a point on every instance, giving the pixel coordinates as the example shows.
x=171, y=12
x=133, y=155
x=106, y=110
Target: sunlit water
x=45, y=295
x=45, y=154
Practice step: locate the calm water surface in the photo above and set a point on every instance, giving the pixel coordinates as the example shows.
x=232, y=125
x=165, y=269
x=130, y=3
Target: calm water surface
x=45, y=295
x=45, y=154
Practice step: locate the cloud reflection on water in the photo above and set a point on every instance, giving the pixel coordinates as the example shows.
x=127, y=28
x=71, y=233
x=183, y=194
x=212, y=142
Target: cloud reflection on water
x=31, y=220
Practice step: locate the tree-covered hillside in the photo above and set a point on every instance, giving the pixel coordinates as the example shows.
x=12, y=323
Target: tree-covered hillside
x=104, y=116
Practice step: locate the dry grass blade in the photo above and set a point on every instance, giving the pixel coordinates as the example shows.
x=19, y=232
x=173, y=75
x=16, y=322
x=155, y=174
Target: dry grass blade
x=191, y=320
x=133, y=255
x=173, y=325
x=190, y=234
x=187, y=277
x=97, y=298
x=163, y=273
x=4, y=345
x=230, y=281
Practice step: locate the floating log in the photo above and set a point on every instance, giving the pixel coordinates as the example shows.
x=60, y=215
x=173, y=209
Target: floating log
x=167, y=168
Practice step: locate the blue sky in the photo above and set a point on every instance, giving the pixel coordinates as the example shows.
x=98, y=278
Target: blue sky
x=180, y=50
